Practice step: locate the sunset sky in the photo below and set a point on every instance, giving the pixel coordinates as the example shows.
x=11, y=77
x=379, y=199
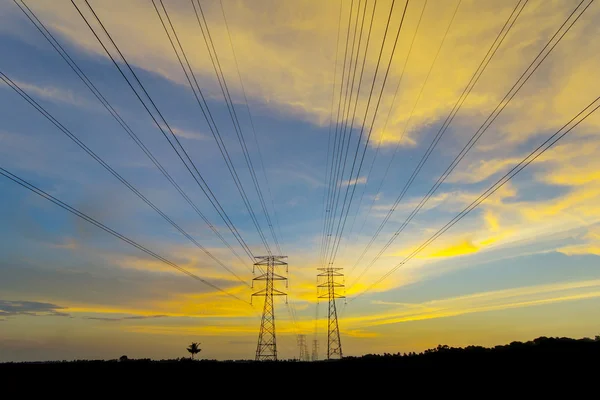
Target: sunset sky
x=525, y=263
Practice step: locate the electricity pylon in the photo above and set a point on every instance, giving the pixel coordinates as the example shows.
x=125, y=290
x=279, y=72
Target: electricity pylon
x=266, y=350
x=332, y=278
x=315, y=350
x=303, y=350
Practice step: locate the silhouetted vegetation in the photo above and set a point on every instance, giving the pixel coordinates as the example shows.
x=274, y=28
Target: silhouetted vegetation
x=541, y=357
x=194, y=349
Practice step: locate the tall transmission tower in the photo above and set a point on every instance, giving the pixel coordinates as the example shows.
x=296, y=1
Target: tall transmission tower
x=304, y=356
x=332, y=278
x=315, y=350
x=266, y=350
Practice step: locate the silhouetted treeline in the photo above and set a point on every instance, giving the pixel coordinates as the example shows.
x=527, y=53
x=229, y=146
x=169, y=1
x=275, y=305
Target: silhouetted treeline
x=536, y=362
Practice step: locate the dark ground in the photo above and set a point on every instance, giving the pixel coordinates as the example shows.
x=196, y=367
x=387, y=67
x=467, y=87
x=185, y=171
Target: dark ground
x=559, y=367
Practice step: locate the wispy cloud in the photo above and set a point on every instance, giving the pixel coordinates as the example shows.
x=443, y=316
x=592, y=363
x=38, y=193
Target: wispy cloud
x=356, y=181
x=133, y=317
x=51, y=93
x=481, y=302
x=67, y=244
x=301, y=173
x=32, y=308
x=187, y=134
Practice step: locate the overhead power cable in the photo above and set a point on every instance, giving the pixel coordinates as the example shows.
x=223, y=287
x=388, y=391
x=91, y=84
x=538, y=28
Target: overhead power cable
x=346, y=129
x=197, y=177
x=386, y=122
x=340, y=230
x=106, y=166
x=338, y=180
x=331, y=183
x=542, y=55
x=541, y=149
x=260, y=156
x=114, y=113
x=378, y=147
x=201, y=100
x=236, y=121
x=325, y=187
x=116, y=234
x=459, y=102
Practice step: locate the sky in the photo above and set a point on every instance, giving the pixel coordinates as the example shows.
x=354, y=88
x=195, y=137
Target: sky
x=523, y=264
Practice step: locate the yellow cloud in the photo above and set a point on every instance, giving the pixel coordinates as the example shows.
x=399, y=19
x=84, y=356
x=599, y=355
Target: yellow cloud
x=190, y=258
x=581, y=249
x=359, y=333
x=483, y=169
x=458, y=249
x=590, y=246
x=220, y=329
x=273, y=46
x=206, y=305
x=482, y=302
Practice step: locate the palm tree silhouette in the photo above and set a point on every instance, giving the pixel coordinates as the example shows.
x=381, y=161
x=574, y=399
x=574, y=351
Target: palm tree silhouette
x=194, y=349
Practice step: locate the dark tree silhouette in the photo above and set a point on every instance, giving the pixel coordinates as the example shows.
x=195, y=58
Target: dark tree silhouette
x=123, y=358
x=194, y=349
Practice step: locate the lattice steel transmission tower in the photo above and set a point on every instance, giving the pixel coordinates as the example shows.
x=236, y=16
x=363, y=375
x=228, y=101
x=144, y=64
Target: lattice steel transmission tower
x=315, y=350
x=304, y=356
x=332, y=280
x=266, y=350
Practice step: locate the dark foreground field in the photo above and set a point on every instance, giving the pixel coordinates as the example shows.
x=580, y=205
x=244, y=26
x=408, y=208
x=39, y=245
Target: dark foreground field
x=544, y=365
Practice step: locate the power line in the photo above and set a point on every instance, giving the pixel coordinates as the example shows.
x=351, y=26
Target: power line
x=341, y=231
x=235, y=120
x=459, y=102
x=541, y=149
x=116, y=234
x=325, y=191
x=337, y=188
x=209, y=118
x=96, y=92
x=387, y=118
x=489, y=120
x=402, y=135
x=396, y=91
x=252, y=125
x=203, y=186
x=328, y=214
x=346, y=118
x=106, y=166
x=207, y=114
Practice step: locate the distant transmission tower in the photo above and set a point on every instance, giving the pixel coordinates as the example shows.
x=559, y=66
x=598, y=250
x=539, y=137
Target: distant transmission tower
x=303, y=350
x=266, y=350
x=315, y=350
x=332, y=278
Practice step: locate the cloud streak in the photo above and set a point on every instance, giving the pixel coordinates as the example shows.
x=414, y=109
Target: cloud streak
x=357, y=181
x=129, y=318
x=480, y=302
x=10, y=308
x=51, y=93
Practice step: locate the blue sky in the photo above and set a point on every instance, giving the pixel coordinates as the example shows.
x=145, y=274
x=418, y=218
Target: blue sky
x=523, y=264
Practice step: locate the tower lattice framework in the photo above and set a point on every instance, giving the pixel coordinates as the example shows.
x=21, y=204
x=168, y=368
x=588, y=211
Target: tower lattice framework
x=332, y=283
x=266, y=350
x=304, y=356
x=315, y=350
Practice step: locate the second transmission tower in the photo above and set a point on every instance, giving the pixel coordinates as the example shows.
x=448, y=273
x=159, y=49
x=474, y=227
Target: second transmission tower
x=304, y=356
x=266, y=350
x=315, y=350
x=332, y=281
